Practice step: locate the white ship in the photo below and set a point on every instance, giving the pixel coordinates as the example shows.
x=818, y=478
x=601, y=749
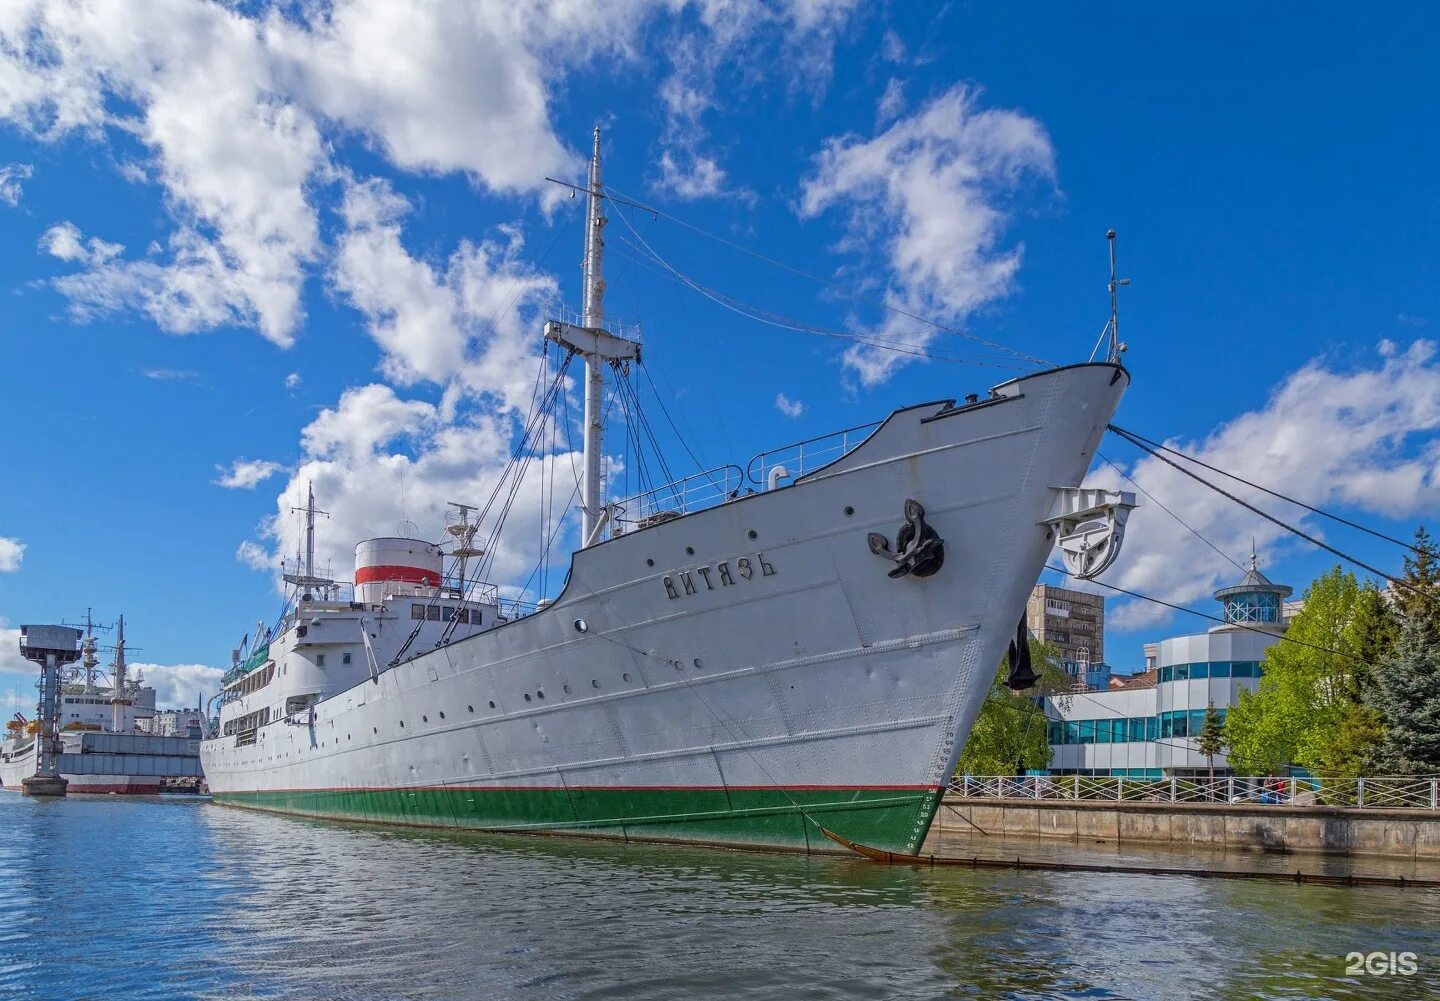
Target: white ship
x=97, y=737
x=721, y=667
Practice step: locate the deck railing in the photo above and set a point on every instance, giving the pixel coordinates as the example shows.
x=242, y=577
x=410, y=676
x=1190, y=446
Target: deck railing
x=692, y=493
x=1371, y=792
x=809, y=455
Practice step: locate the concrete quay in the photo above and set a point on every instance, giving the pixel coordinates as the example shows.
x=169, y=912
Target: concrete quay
x=1325, y=830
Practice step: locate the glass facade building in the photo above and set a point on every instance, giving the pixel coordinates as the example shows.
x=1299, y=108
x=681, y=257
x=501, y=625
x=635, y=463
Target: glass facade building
x=1147, y=728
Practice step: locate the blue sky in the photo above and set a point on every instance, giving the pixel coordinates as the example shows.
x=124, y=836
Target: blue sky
x=290, y=236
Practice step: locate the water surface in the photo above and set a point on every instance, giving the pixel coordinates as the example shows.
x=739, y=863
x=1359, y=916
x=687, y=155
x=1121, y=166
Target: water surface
x=180, y=898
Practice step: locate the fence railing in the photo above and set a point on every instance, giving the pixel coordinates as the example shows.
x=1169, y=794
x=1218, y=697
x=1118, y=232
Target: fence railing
x=1373, y=792
x=692, y=493
x=809, y=455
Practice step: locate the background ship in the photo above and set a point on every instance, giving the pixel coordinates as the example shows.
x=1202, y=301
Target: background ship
x=743, y=657
x=99, y=739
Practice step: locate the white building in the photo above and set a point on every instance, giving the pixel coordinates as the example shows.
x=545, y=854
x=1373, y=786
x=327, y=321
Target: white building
x=1147, y=728
x=173, y=723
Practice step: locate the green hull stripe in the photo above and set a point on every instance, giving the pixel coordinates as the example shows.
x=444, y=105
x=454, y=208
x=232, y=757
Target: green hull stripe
x=889, y=819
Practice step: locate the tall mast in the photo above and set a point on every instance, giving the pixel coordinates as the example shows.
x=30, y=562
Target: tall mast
x=593, y=274
x=307, y=580
x=118, y=701
x=1116, y=347
x=598, y=347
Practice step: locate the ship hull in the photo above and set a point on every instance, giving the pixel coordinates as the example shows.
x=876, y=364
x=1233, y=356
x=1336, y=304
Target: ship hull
x=746, y=675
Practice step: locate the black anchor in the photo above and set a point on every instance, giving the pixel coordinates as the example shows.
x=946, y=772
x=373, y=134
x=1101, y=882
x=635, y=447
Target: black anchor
x=919, y=550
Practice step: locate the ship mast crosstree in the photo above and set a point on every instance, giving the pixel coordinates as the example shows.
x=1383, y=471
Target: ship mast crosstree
x=597, y=346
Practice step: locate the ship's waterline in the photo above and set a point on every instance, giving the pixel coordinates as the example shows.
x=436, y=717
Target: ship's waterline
x=727, y=816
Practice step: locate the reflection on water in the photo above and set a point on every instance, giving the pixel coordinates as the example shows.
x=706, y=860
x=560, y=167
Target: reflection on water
x=180, y=898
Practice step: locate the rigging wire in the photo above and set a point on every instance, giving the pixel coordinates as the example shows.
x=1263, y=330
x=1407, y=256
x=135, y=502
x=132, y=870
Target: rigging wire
x=1393, y=579
x=1206, y=615
x=742, y=308
x=618, y=198
x=1133, y=437
x=1171, y=513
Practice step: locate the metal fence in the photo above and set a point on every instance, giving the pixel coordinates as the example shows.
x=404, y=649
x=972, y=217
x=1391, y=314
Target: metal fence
x=1373, y=793
x=695, y=492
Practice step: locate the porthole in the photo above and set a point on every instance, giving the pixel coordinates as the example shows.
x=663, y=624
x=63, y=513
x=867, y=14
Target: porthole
x=472, y=708
x=374, y=729
x=594, y=683
x=753, y=534
x=402, y=724
x=625, y=676
x=689, y=550
x=849, y=511
x=442, y=715
x=649, y=563
x=540, y=695
x=567, y=689
x=698, y=665
x=424, y=719
x=581, y=625
x=527, y=696
x=492, y=705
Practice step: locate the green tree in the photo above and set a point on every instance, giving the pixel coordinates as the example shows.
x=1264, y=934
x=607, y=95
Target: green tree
x=1407, y=693
x=1211, y=739
x=1307, y=709
x=1371, y=633
x=1011, y=727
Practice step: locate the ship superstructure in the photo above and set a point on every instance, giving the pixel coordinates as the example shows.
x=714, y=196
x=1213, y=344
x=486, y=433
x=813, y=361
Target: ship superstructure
x=743, y=657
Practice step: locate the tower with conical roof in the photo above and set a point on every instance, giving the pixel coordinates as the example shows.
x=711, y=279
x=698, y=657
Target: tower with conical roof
x=1255, y=602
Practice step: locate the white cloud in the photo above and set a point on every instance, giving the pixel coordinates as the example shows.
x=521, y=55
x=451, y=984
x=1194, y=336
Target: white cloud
x=929, y=190
x=292, y=381
x=177, y=686
x=12, y=177
x=891, y=102
x=171, y=374
x=246, y=474
x=238, y=108
x=12, y=553
x=789, y=407
x=698, y=177
x=10, y=660
x=65, y=241
x=1367, y=439
x=470, y=321
x=376, y=459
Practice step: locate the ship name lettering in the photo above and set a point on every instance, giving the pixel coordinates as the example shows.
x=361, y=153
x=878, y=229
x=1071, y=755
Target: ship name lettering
x=683, y=581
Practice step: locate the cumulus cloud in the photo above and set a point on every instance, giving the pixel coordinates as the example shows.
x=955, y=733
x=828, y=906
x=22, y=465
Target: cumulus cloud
x=930, y=192
x=238, y=107
x=376, y=460
x=10, y=660
x=469, y=320
x=178, y=686
x=65, y=241
x=789, y=407
x=12, y=177
x=292, y=381
x=246, y=474
x=12, y=553
x=1365, y=438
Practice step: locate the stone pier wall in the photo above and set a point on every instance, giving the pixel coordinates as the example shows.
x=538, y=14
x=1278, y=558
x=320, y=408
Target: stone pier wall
x=1327, y=830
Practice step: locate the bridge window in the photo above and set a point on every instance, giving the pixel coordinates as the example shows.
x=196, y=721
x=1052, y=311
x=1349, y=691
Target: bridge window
x=345, y=658
x=417, y=612
x=432, y=613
